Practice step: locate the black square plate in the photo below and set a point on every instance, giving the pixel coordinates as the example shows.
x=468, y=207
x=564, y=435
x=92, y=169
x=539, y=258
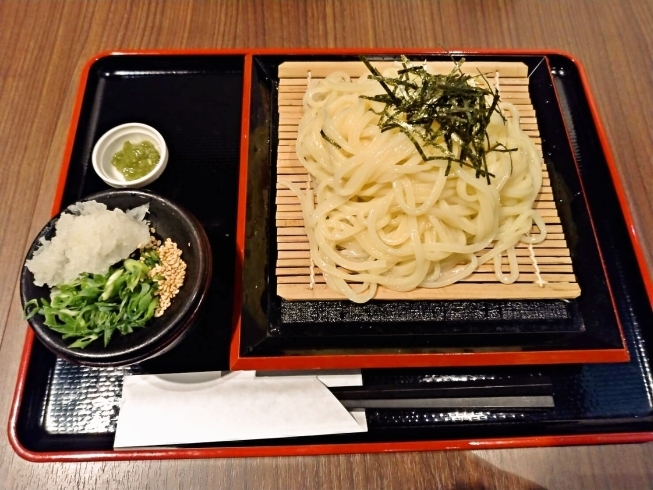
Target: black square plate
x=585, y=329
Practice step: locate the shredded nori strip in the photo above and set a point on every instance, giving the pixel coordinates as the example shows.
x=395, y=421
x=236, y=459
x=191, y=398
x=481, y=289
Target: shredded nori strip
x=329, y=140
x=459, y=108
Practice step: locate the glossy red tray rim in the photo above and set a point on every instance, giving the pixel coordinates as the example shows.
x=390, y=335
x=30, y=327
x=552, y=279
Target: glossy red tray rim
x=319, y=449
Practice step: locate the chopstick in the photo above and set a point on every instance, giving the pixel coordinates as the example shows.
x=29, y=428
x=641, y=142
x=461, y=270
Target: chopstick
x=482, y=403
x=508, y=393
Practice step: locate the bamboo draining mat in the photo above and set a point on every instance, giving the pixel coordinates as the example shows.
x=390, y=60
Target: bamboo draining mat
x=293, y=263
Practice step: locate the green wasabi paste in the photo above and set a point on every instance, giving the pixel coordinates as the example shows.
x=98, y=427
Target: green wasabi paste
x=136, y=161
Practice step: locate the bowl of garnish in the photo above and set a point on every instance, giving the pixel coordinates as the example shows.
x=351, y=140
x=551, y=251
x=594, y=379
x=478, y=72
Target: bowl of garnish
x=131, y=155
x=116, y=278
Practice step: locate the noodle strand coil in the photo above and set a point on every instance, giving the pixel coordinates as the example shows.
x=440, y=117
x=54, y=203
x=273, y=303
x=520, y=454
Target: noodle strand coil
x=377, y=214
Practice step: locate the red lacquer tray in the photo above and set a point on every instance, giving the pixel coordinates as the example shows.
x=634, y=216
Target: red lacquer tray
x=220, y=104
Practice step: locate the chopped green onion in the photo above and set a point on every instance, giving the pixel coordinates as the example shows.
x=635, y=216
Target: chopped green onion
x=94, y=306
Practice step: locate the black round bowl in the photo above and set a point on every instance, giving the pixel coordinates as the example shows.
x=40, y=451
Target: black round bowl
x=161, y=334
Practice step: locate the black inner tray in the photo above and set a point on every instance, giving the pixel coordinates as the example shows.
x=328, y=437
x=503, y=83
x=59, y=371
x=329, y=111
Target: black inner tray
x=271, y=326
x=195, y=101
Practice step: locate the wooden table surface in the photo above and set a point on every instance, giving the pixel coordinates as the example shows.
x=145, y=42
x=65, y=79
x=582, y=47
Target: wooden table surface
x=43, y=45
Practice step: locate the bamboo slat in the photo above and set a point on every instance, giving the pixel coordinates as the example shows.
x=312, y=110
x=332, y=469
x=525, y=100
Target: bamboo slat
x=293, y=262
x=320, y=69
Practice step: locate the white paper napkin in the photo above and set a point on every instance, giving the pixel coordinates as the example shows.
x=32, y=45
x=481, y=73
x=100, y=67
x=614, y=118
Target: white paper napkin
x=160, y=410
x=330, y=377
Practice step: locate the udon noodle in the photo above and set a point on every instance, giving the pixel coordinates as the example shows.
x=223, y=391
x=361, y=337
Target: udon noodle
x=377, y=214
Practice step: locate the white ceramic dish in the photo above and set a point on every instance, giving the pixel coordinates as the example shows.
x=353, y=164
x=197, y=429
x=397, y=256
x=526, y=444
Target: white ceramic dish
x=112, y=141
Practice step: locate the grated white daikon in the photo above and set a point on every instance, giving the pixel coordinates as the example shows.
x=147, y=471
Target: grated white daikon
x=91, y=239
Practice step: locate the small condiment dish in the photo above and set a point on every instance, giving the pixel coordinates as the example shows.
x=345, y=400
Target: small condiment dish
x=112, y=142
x=170, y=220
